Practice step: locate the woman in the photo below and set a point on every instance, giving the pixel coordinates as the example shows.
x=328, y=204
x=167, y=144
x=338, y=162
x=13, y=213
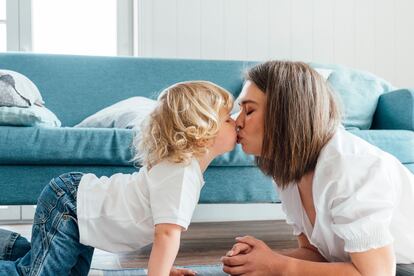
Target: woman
x=349, y=203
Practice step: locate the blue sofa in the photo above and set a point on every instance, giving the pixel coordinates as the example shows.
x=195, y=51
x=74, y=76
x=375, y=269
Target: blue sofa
x=75, y=87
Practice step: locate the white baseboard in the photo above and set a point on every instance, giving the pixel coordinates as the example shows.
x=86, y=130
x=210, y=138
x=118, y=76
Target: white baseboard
x=238, y=212
x=202, y=213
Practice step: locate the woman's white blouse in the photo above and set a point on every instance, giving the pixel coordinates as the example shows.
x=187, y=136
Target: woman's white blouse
x=363, y=197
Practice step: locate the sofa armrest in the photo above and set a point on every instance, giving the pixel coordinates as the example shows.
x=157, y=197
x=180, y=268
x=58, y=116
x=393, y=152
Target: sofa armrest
x=395, y=110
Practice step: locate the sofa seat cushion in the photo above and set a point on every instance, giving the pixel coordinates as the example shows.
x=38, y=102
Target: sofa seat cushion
x=22, y=184
x=399, y=143
x=82, y=146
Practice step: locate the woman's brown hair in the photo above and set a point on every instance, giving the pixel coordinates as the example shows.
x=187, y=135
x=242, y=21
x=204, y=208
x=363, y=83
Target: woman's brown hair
x=301, y=116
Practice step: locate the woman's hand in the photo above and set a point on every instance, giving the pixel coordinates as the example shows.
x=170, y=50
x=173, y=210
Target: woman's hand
x=239, y=248
x=253, y=258
x=182, y=272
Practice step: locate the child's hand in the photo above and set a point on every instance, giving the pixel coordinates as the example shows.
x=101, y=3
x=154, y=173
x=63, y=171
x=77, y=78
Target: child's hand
x=182, y=272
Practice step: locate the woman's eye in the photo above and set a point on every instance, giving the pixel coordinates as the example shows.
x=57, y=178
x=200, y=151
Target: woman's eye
x=249, y=112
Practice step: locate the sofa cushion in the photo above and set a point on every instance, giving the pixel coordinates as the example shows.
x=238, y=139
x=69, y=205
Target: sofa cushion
x=82, y=146
x=399, y=143
x=43, y=146
x=395, y=110
x=128, y=113
x=17, y=90
x=358, y=91
x=22, y=184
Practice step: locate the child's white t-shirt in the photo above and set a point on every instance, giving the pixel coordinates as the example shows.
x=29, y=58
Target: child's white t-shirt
x=363, y=197
x=118, y=213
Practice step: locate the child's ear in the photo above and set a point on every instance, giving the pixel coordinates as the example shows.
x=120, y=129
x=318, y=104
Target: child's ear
x=201, y=143
x=204, y=143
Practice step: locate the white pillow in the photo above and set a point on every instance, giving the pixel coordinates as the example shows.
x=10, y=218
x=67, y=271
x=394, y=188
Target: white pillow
x=124, y=114
x=325, y=73
x=28, y=116
x=17, y=90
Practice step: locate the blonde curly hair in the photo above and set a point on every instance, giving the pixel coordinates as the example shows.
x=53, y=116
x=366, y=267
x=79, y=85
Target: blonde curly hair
x=185, y=119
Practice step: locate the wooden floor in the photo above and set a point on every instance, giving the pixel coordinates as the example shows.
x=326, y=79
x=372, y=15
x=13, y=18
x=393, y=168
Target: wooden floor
x=203, y=243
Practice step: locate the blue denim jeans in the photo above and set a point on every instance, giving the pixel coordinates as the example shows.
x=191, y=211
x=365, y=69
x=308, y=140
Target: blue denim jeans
x=55, y=247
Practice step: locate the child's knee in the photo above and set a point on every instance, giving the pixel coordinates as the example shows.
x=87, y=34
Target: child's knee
x=71, y=178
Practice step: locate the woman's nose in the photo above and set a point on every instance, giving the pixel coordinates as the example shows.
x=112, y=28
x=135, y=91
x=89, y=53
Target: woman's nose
x=240, y=121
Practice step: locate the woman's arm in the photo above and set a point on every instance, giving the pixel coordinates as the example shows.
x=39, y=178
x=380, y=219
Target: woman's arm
x=379, y=262
x=306, y=251
x=261, y=260
x=165, y=249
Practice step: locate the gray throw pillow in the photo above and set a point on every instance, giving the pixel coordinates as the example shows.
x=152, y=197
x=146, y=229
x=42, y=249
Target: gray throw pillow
x=17, y=90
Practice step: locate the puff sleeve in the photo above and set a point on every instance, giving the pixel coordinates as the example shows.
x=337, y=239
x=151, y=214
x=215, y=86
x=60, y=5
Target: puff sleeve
x=362, y=204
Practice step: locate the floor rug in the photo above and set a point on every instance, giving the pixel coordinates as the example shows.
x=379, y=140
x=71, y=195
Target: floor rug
x=209, y=270
x=203, y=270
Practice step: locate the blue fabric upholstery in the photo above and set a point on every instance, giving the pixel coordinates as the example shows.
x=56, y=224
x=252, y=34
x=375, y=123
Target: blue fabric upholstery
x=395, y=110
x=399, y=143
x=22, y=184
x=359, y=92
x=65, y=146
x=82, y=146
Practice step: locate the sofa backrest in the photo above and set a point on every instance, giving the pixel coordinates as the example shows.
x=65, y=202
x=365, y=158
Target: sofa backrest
x=74, y=87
